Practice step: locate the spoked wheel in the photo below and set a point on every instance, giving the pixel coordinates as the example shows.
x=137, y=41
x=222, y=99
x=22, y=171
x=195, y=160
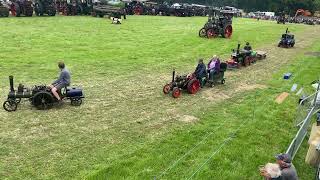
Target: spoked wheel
x=211, y=33
x=167, y=88
x=43, y=100
x=176, y=92
x=223, y=81
x=10, y=105
x=76, y=102
x=202, y=32
x=228, y=31
x=193, y=86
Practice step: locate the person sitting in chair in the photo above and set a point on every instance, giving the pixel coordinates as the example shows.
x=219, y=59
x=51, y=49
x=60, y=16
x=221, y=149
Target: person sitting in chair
x=200, y=71
x=247, y=47
x=213, y=66
x=63, y=81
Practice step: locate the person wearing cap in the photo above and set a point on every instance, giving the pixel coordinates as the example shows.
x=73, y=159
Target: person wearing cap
x=213, y=66
x=248, y=47
x=288, y=171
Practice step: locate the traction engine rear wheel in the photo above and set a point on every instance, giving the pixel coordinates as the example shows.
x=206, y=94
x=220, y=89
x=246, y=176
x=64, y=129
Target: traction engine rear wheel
x=43, y=100
x=228, y=31
x=193, y=86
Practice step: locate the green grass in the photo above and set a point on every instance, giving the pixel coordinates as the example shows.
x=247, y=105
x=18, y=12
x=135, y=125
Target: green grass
x=127, y=128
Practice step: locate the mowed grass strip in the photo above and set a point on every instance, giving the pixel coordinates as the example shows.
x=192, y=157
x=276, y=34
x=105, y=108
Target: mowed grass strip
x=122, y=70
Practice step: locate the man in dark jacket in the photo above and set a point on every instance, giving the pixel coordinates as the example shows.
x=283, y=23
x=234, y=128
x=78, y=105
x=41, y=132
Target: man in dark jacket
x=288, y=171
x=201, y=70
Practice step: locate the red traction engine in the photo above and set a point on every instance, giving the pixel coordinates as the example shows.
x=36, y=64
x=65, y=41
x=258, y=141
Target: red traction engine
x=179, y=83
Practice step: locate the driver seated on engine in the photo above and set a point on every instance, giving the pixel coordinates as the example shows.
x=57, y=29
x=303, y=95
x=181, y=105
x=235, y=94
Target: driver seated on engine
x=213, y=66
x=63, y=81
x=248, y=47
x=201, y=70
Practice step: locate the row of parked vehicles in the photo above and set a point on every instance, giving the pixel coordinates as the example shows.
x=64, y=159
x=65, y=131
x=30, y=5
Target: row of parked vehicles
x=45, y=7
x=87, y=7
x=166, y=9
x=26, y=8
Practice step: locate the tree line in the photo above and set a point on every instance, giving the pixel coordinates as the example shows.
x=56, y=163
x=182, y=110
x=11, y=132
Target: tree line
x=287, y=6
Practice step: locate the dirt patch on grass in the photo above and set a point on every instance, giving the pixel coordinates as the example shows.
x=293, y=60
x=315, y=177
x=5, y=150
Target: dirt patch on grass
x=214, y=95
x=188, y=119
x=249, y=87
x=174, y=114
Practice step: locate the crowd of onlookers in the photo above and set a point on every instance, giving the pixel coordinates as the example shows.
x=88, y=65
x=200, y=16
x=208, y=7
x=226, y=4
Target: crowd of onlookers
x=297, y=20
x=304, y=20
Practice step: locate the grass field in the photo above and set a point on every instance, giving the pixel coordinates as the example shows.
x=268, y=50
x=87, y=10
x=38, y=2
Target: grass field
x=127, y=129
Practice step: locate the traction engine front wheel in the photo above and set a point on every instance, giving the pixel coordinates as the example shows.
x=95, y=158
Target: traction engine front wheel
x=202, y=33
x=167, y=88
x=176, y=92
x=10, y=105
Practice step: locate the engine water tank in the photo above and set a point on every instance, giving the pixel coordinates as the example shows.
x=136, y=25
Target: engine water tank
x=74, y=92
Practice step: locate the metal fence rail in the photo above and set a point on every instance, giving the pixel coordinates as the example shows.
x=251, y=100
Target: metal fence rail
x=298, y=139
x=308, y=105
x=304, y=108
